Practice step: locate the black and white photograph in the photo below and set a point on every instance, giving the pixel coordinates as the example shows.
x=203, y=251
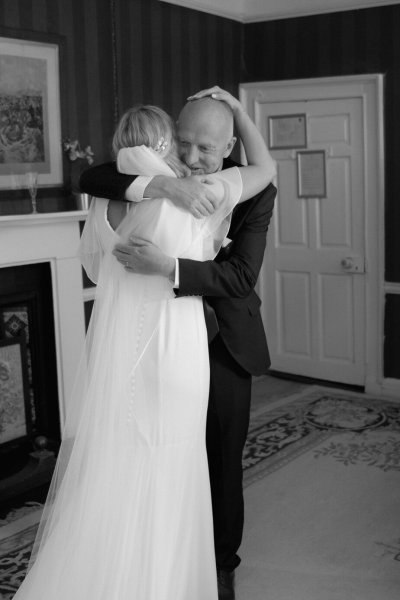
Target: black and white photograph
x=199, y=300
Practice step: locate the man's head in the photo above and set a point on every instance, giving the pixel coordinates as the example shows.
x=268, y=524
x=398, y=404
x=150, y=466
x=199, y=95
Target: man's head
x=205, y=135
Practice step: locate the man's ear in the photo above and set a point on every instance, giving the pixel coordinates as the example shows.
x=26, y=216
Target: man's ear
x=230, y=146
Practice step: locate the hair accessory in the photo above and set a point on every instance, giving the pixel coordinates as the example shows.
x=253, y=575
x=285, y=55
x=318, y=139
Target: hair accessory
x=161, y=145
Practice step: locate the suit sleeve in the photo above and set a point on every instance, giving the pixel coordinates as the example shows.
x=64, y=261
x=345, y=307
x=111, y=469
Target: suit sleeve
x=104, y=181
x=234, y=273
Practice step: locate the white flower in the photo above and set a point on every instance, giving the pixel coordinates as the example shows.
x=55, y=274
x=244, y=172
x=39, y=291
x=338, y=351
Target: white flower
x=74, y=151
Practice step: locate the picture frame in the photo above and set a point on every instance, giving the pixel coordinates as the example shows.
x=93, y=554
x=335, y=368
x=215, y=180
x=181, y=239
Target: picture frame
x=30, y=110
x=15, y=422
x=287, y=131
x=311, y=174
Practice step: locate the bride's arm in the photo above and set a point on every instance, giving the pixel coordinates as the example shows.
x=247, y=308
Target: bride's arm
x=261, y=168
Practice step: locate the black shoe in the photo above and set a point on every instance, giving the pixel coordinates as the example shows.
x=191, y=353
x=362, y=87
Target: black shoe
x=226, y=585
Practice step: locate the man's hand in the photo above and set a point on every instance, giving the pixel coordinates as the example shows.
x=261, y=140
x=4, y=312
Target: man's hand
x=142, y=257
x=189, y=193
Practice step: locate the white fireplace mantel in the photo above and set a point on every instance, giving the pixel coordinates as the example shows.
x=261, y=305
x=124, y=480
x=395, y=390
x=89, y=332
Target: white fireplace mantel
x=41, y=218
x=53, y=238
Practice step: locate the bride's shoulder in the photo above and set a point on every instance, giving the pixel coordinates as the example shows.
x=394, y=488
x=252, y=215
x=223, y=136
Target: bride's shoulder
x=98, y=208
x=98, y=203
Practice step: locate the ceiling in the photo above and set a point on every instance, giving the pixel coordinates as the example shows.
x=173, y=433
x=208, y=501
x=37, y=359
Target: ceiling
x=251, y=11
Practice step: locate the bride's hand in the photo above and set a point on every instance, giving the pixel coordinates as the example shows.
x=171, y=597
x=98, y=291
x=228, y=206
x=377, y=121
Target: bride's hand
x=193, y=194
x=217, y=93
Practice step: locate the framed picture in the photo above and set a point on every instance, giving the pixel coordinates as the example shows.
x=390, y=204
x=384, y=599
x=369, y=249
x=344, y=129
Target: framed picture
x=287, y=131
x=14, y=404
x=30, y=113
x=311, y=174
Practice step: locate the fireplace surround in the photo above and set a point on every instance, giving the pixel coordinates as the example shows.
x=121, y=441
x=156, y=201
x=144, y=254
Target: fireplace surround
x=41, y=249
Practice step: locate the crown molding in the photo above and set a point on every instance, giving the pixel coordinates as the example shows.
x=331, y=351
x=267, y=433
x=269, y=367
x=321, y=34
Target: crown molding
x=230, y=9
x=252, y=11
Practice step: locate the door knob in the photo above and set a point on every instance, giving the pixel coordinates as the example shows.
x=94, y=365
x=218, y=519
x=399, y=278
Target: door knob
x=353, y=264
x=347, y=263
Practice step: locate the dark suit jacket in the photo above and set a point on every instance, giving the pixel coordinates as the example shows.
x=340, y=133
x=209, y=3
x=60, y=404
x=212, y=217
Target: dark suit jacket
x=227, y=281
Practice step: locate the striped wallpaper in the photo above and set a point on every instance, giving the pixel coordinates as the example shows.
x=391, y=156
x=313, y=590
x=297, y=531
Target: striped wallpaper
x=165, y=53
x=162, y=54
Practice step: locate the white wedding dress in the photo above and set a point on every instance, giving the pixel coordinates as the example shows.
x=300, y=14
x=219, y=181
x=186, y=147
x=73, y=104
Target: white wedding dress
x=128, y=516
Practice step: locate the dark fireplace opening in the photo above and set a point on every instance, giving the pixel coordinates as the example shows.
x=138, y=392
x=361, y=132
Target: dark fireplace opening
x=29, y=413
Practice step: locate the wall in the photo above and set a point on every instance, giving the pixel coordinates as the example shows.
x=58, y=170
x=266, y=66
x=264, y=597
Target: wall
x=166, y=52
x=346, y=43
x=115, y=53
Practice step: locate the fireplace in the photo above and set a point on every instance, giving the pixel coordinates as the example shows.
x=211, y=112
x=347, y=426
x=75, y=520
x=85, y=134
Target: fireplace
x=42, y=328
x=28, y=357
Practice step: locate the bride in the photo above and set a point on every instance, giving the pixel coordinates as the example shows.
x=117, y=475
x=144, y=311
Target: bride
x=128, y=515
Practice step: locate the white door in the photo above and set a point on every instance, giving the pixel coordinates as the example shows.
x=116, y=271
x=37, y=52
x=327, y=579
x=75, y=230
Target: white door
x=313, y=283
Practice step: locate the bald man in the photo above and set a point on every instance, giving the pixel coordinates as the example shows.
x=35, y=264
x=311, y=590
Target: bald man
x=238, y=347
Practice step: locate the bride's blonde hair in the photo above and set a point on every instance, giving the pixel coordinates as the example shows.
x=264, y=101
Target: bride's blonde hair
x=151, y=126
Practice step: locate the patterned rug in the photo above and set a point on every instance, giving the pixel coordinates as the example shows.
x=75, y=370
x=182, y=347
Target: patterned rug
x=322, y=510
x=293, y=425
x=279, y=433
x=14, y=557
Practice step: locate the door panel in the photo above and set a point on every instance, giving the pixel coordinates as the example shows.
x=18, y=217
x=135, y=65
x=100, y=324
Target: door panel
x=337, y=332
x=293, y=291
x=292, y=216
x=338, y=210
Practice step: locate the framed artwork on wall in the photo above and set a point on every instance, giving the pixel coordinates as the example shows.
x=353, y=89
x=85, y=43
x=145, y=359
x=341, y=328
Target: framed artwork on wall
x=30, y=112
x=287, y=131
x=15, y=420
x=311, y=174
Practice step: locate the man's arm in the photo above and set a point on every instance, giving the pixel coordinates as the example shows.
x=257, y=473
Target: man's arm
x=104, y=181
x=231, y=276
x=236, y=275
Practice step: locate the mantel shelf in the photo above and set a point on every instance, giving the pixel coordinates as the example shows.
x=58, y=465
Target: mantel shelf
x=42, y=218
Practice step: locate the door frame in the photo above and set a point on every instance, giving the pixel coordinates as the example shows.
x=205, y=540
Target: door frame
x=369, y=88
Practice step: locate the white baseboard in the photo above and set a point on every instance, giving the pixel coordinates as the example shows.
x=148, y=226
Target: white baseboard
x=389, y=388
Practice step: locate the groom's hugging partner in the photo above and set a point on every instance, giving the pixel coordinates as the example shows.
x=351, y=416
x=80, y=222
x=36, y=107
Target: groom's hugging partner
x=238, y=348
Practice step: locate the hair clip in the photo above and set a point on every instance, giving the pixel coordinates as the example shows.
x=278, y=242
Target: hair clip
x=161, y=145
